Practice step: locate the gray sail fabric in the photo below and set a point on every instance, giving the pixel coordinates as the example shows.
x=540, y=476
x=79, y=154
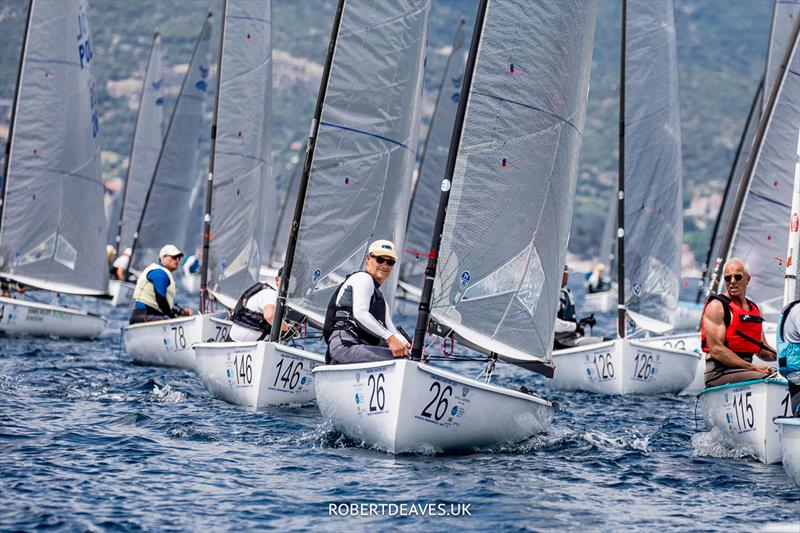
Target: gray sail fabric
x=360, y=178
x=284, y=223
x=784, y=13
x=425, y=199
x=53, y=227
x=653, y=168
x=145, y=147
x=242, y=149
x=761, y=238
x=608, y=246
x=505, y=235
x=164, y=219
x=194, y=225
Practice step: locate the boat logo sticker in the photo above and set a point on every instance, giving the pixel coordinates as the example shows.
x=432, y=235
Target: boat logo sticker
x=637, y=289
x=465, y=391
x=358, y=377
x=358, y=400
x=465, y=277
x=316, y=276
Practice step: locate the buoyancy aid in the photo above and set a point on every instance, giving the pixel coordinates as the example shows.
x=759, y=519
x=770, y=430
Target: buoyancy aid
x=247, y=318
x=340, y=316
x=788, y=352
x=145, y=292
x=739, y=325
x=566, y=309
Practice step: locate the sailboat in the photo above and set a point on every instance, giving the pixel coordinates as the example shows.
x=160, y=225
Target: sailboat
x=145, y=147
x=169, y=342
x=425, y=195
x=498, y=243
x=741, y=414
x=52, y=223
x=353, y=189
x=650, y=224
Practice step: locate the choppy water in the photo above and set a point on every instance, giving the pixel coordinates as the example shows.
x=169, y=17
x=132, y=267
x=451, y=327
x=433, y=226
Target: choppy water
x=89, y=441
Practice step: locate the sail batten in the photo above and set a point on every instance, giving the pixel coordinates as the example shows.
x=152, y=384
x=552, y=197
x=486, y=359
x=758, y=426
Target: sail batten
x=53, y=225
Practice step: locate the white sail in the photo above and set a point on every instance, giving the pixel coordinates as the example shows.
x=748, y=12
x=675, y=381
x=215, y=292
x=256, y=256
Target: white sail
x=52, y=232
x=164, y=218
x=784, y=13
x=146, y=145
x=760, y=237
x=425, y=198
x=241, y=167
x=360, y=176
x=653, y=168
x=507, y=226
x=284, y=220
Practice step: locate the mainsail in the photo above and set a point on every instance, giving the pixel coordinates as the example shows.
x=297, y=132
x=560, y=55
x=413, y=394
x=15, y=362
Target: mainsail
x=360, y=173
x=425, y=197
x=652, y=162
x=505, y=233
x=241, y=152
x=760, y=236
x=52, y=228
x=145, y=148
x=164, y=218
x=784, y=14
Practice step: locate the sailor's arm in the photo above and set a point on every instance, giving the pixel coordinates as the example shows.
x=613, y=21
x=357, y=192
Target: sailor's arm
x=564, y=326
x=396, y=342
x=714, y=326
x=269, y=314
x=766, y=355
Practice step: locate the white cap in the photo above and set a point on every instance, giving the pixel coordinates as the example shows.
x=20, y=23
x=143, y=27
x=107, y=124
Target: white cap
x=170, y=250
x=127, y=251
x=383, y=248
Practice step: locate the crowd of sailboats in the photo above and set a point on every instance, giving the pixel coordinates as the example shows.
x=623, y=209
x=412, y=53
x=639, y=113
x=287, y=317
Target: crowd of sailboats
x=485, y=224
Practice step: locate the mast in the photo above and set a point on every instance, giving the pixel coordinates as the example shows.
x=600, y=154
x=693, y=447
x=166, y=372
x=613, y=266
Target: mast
x=22, y=51
x=728, y=191
x=280, y=304
x=621, y=314
x=744, y=186
x=433, y=258
x=118, y=238
x=790, y=287
x=211, y=159
x=161, y=152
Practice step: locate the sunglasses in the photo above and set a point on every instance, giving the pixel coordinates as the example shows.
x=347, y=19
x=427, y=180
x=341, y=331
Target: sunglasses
x=737, y=277
x=382, y=260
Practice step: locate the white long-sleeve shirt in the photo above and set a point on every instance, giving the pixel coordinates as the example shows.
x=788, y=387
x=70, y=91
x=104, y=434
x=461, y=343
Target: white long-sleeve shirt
x=362, y=287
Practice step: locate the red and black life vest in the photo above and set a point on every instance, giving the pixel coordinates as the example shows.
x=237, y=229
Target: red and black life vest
x=740, y=326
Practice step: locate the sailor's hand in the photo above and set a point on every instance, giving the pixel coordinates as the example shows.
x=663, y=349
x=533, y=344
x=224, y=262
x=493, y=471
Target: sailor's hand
x=186, y=312
x=764, y=369
x=398, y=347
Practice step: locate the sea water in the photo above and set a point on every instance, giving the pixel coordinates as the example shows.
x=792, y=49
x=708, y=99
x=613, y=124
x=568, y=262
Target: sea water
x=89, y=441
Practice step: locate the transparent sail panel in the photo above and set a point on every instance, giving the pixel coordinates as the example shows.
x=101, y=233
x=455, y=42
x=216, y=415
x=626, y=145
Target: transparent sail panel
x=54, y=226
x=761, y=238
x=242, y=150
x=425, y=201
x=165, y=215
x=507, y=226
x=360, y=177
x=145, y=148
x=284, y=222
x=653, y=169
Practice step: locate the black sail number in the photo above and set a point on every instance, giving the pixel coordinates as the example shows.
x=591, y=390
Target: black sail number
x=377, y=398
x=243, y=369
x=643, y=368
x=439, y=399
x=743, y=409
x=288, y=376
x=178, y=337
x=604, y=365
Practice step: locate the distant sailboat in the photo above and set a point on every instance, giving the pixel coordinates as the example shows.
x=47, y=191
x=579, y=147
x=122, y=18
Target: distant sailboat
x=497, y=245
x=52, y=224
x=145, y=147
x=650, y=219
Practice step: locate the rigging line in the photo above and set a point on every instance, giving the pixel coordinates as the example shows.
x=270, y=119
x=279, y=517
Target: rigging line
x=528, y=106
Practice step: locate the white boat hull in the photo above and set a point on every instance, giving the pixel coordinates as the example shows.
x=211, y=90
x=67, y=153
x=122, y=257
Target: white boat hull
x=257, y=374
x=600, y=302
x=624, y=366
x=191, y=283
x=121, y=292
x=24, y=317
x=405, y=406
x=169, y=342
x=740, y=415
x=789, y=427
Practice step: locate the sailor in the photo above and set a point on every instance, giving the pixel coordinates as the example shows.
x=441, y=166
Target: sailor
x=597, y=280
x=358, y=324
x=191, y=264
x=731, y=331
x=252, y=316
x=569, y=331
x=120, y=265
x=789, y=351
x=154, y=294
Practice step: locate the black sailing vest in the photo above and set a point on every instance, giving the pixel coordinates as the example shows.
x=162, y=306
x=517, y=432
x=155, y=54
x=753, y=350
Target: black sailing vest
x=340, y=316
x=246, y=318
x=566, y=310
